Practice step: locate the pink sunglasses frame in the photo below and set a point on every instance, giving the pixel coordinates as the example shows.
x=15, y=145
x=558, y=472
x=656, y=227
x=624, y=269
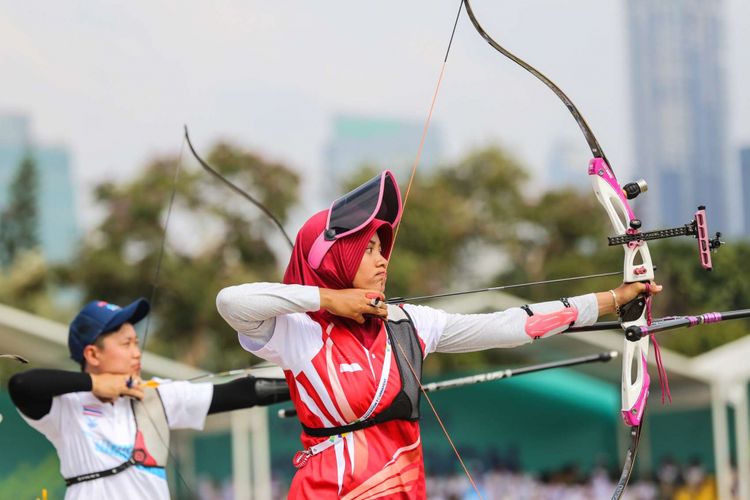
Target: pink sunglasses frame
x=328, y=237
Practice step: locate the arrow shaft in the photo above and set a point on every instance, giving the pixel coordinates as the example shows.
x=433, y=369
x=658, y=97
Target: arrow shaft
x=208, y=168
x=502, y=374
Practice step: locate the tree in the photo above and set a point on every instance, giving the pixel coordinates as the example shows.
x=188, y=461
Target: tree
x=29, y=284
x=19, y=220
x=451, y=214
x=214, y=239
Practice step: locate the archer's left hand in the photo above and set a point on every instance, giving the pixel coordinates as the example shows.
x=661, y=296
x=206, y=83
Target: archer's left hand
x=629, y=291
x=610, y=301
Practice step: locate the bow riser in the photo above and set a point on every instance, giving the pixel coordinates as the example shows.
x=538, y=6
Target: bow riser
x=637, y=266
x=635, y=392
x=610, y=195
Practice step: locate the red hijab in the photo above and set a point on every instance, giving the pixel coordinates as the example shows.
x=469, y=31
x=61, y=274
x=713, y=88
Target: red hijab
x=338, y=268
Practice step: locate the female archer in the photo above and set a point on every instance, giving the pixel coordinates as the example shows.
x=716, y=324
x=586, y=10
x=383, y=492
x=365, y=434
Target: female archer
x=353, y=363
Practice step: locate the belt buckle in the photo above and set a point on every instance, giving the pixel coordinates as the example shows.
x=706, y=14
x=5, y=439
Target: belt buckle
x=300, y=458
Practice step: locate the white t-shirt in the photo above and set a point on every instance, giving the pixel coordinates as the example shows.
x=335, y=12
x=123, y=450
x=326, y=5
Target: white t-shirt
x=92, y=436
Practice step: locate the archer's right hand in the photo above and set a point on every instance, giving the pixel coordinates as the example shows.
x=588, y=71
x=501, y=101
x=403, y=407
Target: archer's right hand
x=354, y=303
x=110, y=386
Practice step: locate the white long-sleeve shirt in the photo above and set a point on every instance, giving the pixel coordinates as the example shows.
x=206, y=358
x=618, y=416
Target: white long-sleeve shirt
x=253, y=309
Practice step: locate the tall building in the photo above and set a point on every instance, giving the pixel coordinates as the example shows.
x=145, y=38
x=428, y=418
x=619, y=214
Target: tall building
x=679, y=109
x=13, y=145
x=58, y=226
x=384, y=143
x=564, y=165
x=745, y=183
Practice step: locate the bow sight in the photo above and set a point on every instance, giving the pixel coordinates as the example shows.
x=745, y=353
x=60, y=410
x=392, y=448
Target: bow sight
x=697, y=228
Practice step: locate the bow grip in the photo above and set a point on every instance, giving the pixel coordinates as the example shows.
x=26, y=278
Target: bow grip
x=633, y=309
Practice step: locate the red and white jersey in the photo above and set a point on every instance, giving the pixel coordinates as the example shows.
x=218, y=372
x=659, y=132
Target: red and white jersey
x=334, y=380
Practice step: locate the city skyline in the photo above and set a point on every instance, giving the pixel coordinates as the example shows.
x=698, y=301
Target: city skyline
x=679, y=110
x=117, y=83
x=744, y=155
x=358, y=140
x=58, y=229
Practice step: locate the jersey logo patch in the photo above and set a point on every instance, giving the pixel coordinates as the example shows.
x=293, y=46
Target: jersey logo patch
x=93, y=410
x=351, y=368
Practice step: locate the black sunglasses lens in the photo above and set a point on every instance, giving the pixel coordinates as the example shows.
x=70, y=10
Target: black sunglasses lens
x=355, y=207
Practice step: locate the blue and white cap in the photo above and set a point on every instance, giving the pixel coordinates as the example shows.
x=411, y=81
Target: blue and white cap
x=99, y=317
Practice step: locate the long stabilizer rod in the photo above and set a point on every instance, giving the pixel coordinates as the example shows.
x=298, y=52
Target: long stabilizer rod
x=635, y=333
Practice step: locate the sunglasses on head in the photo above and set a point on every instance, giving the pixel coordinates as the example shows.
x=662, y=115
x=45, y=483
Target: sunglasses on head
x=379, y=198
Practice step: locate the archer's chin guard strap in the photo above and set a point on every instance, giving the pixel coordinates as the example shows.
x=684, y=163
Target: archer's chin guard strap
x=542, y=324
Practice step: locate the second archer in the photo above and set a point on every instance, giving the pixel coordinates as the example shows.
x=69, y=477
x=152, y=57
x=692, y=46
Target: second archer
x=111, y=432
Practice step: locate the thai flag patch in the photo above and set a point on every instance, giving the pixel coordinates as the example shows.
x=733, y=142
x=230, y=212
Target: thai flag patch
x=93, y=410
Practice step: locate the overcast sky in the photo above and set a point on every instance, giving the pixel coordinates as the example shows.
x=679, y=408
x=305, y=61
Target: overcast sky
x=115, y=81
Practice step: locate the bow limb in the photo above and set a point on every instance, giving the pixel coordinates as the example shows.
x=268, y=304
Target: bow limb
x=591, y=139
x=18, y=358
x=270, y=390
x=208, y=168
x=637, y=264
